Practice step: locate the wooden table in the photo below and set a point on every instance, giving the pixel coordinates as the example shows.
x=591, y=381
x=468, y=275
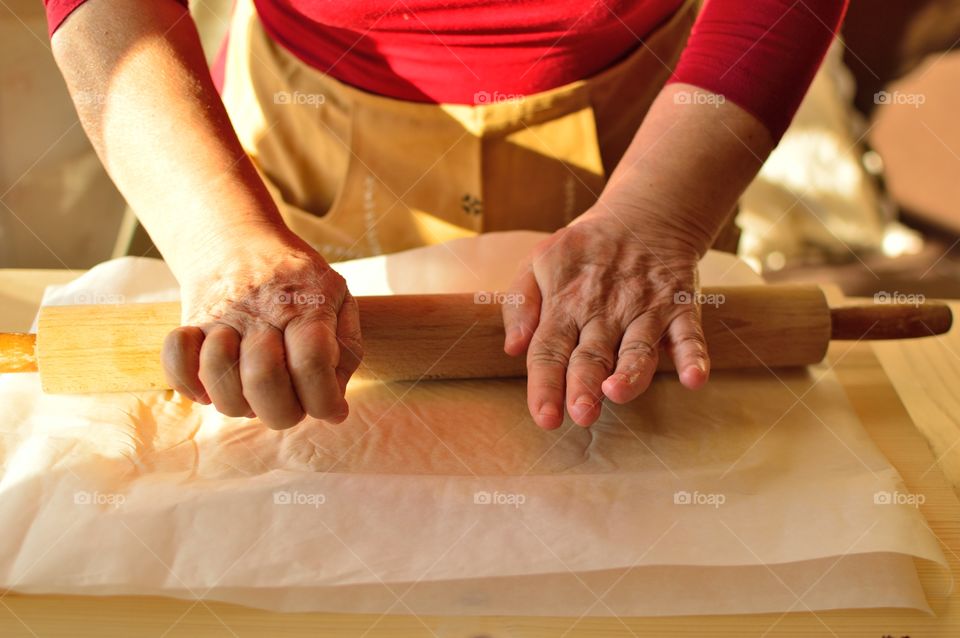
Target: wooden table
x=925, y=374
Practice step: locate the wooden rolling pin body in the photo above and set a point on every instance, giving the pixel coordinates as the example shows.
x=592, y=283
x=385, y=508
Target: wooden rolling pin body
x=115, y=348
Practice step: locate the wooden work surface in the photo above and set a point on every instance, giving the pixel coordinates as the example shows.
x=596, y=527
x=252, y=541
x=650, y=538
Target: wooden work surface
x=925, y=373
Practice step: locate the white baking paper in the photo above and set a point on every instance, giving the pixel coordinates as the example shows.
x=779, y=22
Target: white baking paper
x=760, y=493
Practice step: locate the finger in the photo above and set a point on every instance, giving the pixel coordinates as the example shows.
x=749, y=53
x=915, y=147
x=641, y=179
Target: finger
x=312, y=356
x=547, y=360
x=220, y=372
x=350, y=340
x=181, y=362
x=521, y=313
x=689, y=349
x=591, y=362
x=636, y=359
x=266, y=384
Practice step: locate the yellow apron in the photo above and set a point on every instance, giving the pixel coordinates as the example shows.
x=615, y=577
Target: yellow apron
x=357, y=174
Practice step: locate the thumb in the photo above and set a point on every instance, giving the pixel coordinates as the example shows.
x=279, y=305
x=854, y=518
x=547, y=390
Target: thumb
x=521, y=313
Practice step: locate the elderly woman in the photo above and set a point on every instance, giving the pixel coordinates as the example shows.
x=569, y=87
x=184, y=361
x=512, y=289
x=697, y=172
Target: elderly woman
x=332, y=130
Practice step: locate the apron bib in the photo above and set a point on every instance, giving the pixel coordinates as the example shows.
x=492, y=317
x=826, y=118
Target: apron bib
x=357, y=174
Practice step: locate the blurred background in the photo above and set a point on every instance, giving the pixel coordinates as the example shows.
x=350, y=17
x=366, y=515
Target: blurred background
x=864, y=190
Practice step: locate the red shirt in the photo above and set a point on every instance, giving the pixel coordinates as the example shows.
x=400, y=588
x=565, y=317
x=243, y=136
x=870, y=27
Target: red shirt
x=760, y=54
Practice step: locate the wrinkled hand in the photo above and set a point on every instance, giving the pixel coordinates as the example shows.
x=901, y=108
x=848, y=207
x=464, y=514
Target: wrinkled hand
x=598, y=297
x=270, y=331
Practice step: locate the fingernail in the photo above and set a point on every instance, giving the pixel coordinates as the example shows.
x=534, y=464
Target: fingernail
x=700, y=366
x=583, y=406
x=549, y=410
x=549, y=416
x=695, y=375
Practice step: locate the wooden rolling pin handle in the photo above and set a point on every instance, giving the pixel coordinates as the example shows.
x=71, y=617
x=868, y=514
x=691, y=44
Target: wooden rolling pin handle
x=890, y=321
x=18, y=352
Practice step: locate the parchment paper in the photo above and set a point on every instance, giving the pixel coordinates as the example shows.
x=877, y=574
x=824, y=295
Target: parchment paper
x=761, y=492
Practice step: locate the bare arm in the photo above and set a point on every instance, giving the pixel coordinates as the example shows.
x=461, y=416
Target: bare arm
x=688, y=164
x=146, y=100
x=145, y=97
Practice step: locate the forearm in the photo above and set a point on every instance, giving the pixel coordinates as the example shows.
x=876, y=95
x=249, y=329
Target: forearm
x=687, y=166
x=146, y=100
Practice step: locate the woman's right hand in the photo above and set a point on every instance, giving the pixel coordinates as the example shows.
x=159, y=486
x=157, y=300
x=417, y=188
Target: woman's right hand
x=269, y=330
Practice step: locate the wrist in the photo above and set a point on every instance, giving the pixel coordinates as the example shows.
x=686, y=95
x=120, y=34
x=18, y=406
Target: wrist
x=202, y=252
x=673, y=223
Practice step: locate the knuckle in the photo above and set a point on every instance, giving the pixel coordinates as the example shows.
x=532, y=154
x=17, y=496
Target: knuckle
x=333, y=281
x=219, y=352
x=260, y=371
x=663, y=305
x=178, y=346
x=694, y=339
x=311, y=365
x=638, y=349
x=175, y=339
x=592, y=354
x=210, y=379
x=173, y=367
x=547, y=356
x=690, y=311
x=259, y=378
x=213, y=372
x=301, y=314
x=553, y=383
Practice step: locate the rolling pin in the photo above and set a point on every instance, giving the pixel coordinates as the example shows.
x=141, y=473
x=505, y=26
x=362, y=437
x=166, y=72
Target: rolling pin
x=116, y=348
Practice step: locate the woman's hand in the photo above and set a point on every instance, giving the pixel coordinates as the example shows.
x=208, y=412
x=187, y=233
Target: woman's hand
x=601, y=294
x=270, y=330
x=598, y=297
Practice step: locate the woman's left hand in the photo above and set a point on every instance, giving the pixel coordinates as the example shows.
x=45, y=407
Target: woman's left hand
x=597, y=299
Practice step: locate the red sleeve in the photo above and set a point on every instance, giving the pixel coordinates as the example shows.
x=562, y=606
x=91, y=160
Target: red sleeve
x=58, y=10
x=760, y=54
